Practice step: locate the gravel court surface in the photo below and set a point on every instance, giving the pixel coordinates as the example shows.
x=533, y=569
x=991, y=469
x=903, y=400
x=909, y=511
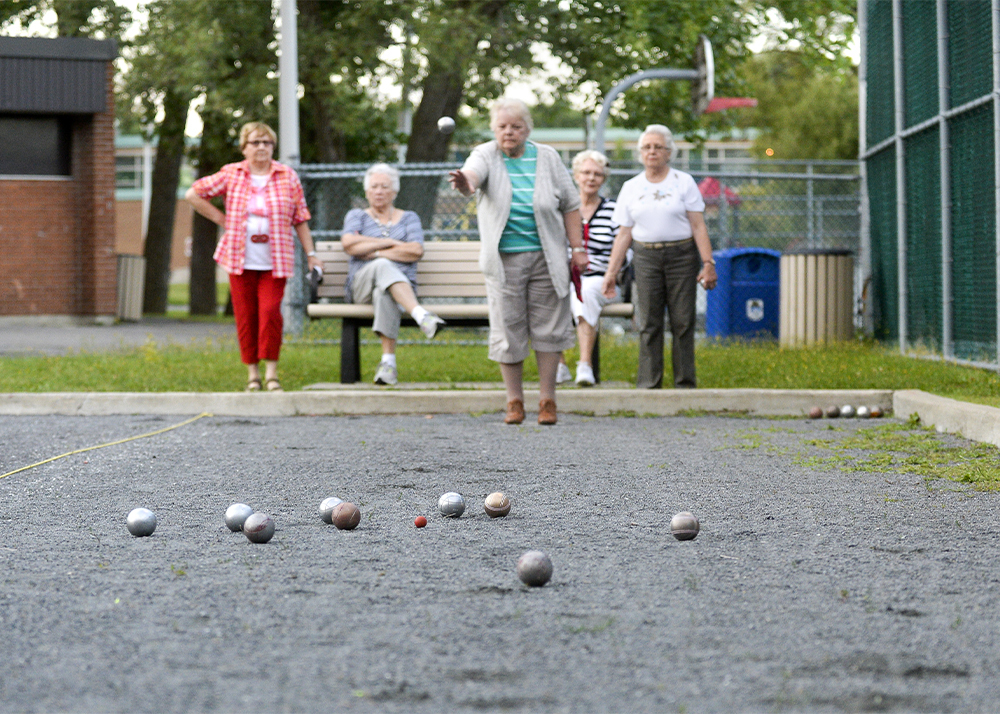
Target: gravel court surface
x=807, y=590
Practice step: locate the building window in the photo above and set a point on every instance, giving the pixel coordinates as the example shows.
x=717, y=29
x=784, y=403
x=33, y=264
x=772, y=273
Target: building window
x=35, y=145
x=128, y=172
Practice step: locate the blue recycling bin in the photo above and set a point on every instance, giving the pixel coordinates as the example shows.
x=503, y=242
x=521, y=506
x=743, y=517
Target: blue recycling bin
x=746, y=300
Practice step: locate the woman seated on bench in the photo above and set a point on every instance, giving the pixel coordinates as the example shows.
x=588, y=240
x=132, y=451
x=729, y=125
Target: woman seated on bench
x=385, y=244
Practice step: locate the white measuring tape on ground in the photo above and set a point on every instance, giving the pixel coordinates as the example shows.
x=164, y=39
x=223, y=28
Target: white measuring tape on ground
x=110, y=443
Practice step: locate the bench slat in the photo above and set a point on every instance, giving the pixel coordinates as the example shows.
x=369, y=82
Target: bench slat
x=448, y=269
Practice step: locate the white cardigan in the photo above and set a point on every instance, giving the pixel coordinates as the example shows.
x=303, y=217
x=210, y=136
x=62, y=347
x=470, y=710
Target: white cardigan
x=555, y=195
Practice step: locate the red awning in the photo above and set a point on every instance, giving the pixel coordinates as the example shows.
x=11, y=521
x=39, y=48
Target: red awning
x=721, y=104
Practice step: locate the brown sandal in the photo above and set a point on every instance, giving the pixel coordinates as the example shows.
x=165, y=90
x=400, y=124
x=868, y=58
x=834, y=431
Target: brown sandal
x=547, y=412
x=515, y=412
x=254, y=385
x=273, y=385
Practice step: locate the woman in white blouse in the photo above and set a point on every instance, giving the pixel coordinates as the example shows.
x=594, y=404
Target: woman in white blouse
x=662, y=217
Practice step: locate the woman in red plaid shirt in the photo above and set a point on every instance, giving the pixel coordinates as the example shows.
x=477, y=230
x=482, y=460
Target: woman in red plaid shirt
x=263, y=202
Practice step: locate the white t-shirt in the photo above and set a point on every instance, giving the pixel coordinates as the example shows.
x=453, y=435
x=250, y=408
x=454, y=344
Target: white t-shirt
x=258, y=255
x=657, y=212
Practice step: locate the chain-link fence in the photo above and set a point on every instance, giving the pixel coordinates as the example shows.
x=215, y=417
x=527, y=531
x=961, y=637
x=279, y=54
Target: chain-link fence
x=772, y=204
x=932, y=174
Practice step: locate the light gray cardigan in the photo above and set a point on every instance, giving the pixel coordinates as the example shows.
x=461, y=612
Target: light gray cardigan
x=555, y=195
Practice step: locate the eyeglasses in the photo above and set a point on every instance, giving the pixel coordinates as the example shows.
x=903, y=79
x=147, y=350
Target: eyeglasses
x=261, y=142
x=591, y=174
x=653, y=147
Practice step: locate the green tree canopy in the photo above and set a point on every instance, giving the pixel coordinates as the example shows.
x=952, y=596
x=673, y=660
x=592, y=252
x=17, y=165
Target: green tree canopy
x=805, y=110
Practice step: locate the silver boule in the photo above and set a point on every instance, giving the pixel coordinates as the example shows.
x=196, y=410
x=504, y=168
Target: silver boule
x=847, y=411
x=236, y=515
x=326, y=508
x=534, y=568
x=451, y=504
x=876, y=412
x=684, y=526
x=862, y=413
x=446, y=125
x=141, y=522
x=258, y=528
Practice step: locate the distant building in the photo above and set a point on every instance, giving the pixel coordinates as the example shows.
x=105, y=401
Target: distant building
x=133, y=173
x=620, y=145
x=57, y=216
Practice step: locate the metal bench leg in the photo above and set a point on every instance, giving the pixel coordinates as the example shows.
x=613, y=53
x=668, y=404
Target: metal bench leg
x=350, y=352
x=595, y=356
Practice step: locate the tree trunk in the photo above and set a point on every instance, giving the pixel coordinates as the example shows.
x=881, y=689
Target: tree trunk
x=204, y=234
x=163, y=201
x=443, y=89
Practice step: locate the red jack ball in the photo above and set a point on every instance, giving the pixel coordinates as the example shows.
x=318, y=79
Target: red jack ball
x=420, y=521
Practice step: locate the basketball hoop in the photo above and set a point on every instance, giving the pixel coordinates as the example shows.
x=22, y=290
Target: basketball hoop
x=703, y=87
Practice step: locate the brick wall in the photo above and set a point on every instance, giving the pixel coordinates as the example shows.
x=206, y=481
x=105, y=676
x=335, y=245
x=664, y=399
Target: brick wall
x=57, y=237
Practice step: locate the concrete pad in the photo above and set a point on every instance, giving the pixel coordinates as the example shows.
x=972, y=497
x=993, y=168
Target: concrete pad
x=599, y=402
x=973, y=421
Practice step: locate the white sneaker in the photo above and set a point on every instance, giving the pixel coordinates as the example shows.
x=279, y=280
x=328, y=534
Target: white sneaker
x=563, y=374
x=584, y=375
x=429, y=325
x=385, y=374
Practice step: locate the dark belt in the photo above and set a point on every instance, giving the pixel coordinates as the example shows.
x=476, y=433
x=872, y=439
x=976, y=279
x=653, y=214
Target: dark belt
x=260, y=238
x=662, y=244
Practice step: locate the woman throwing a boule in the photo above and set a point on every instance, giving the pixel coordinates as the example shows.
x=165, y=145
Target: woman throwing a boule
x=529, y=212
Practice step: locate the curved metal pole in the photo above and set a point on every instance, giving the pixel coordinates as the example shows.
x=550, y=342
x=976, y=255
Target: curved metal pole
x=676, y=74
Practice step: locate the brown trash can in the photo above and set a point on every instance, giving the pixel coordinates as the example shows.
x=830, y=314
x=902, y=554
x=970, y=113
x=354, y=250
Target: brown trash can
x=817, y=292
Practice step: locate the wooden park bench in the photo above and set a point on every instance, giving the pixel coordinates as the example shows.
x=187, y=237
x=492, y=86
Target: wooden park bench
x=450, y=284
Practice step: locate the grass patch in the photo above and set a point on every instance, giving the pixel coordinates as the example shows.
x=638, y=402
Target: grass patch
x=179, y=294
x=908, y=448
x=459, y=355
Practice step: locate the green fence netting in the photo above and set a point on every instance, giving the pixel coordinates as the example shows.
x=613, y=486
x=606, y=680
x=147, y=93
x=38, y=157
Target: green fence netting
x=878, y=53
x=923, y=240
x=973, y=226
x=882, y=292
x=920, y=60
x=970, y=49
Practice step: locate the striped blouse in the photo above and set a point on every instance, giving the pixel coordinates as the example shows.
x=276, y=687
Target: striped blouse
x=599, y=236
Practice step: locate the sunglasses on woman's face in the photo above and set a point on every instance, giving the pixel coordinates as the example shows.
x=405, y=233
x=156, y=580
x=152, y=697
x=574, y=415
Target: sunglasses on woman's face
x=261, y=142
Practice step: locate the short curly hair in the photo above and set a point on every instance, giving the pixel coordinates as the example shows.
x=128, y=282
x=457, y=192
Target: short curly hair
x=590, y=155
x=253, y=127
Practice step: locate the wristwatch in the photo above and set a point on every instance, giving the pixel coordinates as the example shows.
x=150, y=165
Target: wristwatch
x=311, y=254
x=579, y=249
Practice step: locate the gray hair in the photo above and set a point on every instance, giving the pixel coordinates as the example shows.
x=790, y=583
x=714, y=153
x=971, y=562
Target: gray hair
x=514, y=106
x=385, y=170
x=590, y=155
x=663, y=132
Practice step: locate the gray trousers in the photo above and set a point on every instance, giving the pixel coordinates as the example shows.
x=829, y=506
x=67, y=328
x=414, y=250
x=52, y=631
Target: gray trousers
x=666, y=278
x=371, y=285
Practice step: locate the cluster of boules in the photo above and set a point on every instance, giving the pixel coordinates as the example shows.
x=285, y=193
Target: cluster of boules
x=257, y=527
x=846, y=411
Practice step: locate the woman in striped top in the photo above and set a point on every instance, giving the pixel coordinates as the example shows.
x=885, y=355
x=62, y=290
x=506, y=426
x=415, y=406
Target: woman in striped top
x=528, y=212
x=599, y=231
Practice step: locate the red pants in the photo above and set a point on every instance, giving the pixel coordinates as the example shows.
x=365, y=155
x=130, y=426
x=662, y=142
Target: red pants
x=257, y=308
